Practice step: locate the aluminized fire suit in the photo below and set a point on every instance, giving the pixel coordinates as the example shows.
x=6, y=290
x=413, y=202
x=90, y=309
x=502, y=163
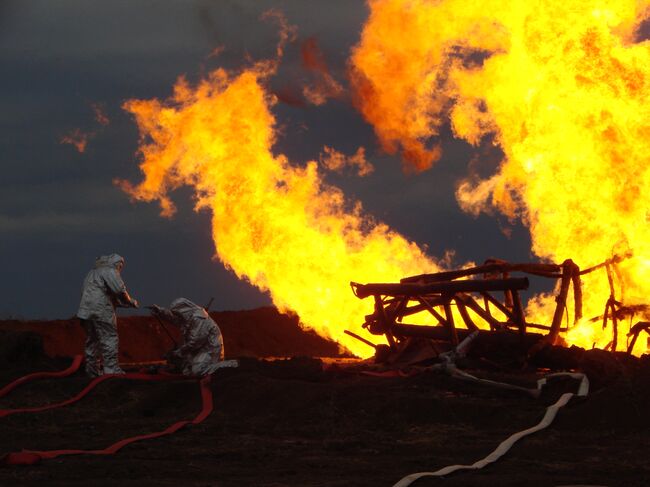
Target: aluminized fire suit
x=202, y=350
x=103, y=290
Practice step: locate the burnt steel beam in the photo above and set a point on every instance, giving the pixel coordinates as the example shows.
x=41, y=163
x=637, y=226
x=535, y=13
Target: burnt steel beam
x=360, y=338
x=451, y=327
x=568, y=268
x=616, y=259
x=634, y=333
x=500, y=306
x=446, y=287
x=537, y=326
x=474, y=306
x=433, y=312
x=544, y=270
x=469, y=323
x=425, y=331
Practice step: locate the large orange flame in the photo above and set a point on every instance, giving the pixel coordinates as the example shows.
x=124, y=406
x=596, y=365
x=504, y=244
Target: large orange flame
x=563, y=86
x=276, y=224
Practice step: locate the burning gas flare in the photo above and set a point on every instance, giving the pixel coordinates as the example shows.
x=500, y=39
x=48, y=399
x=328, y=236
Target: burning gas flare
x=561, y=87
x=275, y=224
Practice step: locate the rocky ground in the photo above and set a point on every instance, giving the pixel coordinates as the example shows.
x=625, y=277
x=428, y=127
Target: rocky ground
x=306, y=421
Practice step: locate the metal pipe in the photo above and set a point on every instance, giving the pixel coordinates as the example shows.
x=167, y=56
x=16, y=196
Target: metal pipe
x=446, y=287
x=361, y=339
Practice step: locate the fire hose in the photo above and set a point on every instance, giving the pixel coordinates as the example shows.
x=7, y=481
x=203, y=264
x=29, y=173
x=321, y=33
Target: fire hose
x=76, y=363
x=505, y=445
x=449, y=366
x=162, y=325
x=31, y=457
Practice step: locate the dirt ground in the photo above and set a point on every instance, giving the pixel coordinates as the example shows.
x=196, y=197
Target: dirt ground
x=306, y=421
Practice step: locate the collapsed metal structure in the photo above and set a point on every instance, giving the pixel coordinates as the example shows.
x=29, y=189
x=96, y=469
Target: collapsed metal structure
x=492, y=295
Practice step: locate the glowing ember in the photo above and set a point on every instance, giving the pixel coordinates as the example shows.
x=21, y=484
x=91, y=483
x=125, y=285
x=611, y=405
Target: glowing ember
x=76, y=138
x=100, y=114
x=563, y=89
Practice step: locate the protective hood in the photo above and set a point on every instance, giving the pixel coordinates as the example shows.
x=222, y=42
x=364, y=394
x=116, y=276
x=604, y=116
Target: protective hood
x=187, y=309
x=110, y=260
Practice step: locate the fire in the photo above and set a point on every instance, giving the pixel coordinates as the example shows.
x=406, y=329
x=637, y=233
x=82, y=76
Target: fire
x=79, y=138
x=76, y=138
x=325, y=85
x=100, y=114
x=274, y=223
x=336, y=161
x=562, y=88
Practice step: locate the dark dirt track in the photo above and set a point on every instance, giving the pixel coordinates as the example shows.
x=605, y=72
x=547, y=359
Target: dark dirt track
x=291, y=423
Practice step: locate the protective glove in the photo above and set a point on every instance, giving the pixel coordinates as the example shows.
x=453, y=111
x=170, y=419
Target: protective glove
x=126, y=301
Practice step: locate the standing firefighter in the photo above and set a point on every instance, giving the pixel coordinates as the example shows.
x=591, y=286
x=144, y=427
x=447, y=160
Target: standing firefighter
x=103, y=290
x=202, y=350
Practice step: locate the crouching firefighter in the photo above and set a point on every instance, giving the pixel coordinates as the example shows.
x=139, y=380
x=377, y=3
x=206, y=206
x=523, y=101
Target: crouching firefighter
x=103, y=290
x=201, y=352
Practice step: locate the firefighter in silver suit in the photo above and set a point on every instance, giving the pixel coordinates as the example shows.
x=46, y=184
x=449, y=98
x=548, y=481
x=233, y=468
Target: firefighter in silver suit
x=103, y=290
x=201, y=352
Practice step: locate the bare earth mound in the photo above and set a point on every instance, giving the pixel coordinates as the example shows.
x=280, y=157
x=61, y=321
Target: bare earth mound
x=295, y=422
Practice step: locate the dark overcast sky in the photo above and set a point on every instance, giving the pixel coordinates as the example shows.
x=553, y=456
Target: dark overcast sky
x=59, y=208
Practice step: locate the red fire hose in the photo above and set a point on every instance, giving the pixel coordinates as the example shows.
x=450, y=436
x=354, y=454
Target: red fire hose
x=76, y=363
x=31, y=457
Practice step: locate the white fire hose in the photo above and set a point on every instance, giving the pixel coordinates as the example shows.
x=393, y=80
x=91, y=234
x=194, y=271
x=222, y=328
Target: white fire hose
x=505, y=445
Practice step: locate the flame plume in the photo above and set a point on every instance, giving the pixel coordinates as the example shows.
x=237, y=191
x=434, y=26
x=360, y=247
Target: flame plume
x=76, y=138
x=325, y=85
x=562, y=86
x=275, y=224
